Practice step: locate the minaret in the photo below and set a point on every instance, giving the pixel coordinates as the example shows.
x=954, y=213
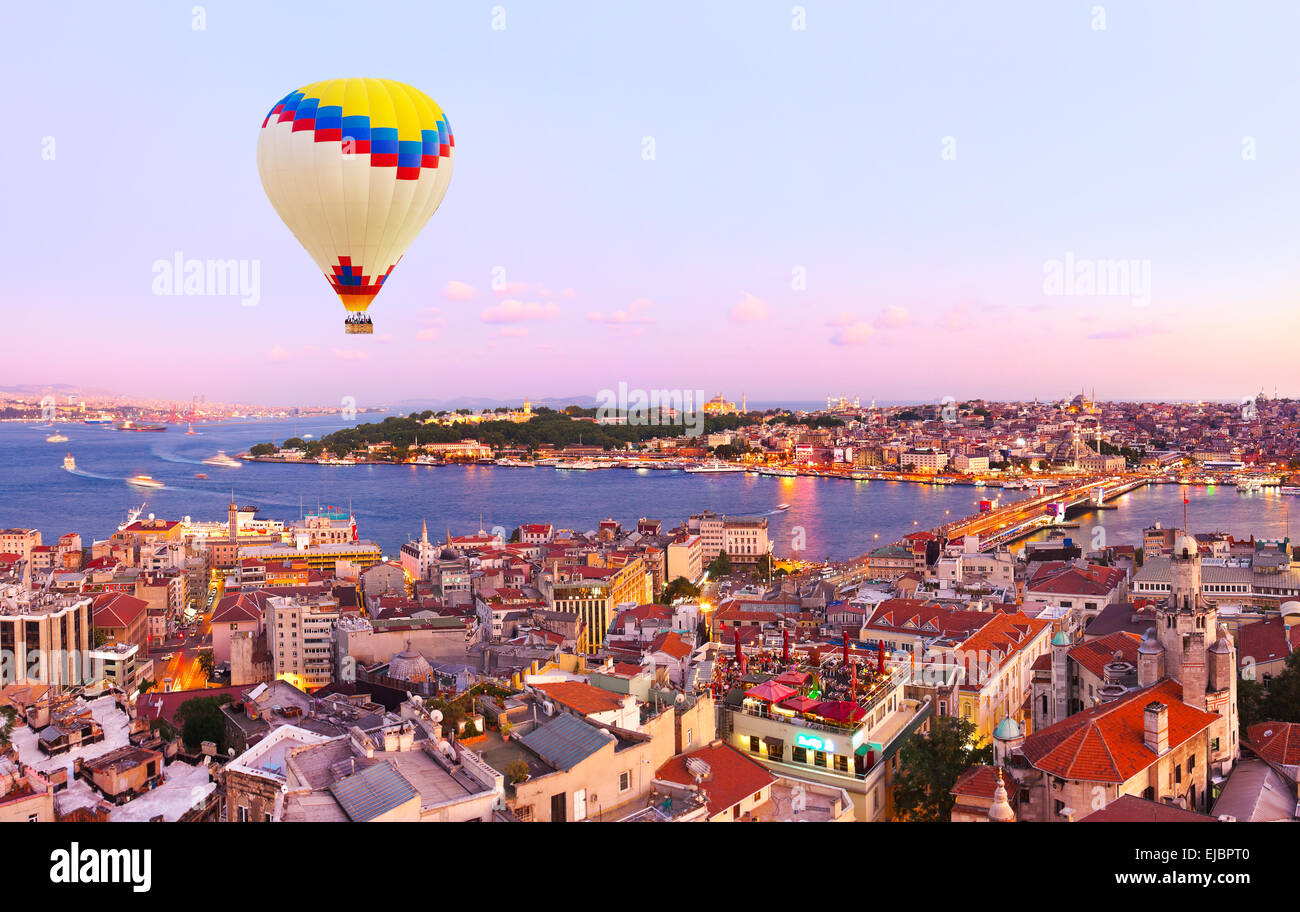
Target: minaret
x=424, y=533
x=1000, y=811
x=233, y=518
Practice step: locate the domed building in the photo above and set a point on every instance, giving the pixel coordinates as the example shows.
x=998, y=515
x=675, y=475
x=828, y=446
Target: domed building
x=409, y=665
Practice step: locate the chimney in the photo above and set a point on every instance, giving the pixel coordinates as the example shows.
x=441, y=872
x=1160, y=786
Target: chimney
x=1155, y=727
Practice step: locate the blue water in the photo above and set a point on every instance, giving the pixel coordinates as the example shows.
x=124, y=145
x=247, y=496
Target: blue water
x=837, y=518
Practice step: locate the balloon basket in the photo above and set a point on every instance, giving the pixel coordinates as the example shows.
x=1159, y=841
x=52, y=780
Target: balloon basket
x=363, y=328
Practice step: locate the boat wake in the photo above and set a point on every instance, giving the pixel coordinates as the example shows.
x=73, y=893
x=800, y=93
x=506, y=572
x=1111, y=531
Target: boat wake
x=84, y=474
x=172, y=457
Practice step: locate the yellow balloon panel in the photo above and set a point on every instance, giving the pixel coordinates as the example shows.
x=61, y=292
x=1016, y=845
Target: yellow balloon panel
x=355, y=168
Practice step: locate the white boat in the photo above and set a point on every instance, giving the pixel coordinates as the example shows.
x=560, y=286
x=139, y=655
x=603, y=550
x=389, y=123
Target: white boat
x=1289, y=489
x=577, y=465
x=426, y=461
x=56, y=437
x=69, y=463
x=345, y=461
x=221, y=459
x=779, y=473
x=980, y=484
x=714, y=467
x=144, y=481
x=131, y=516
x=515, y=463
x=783, y=507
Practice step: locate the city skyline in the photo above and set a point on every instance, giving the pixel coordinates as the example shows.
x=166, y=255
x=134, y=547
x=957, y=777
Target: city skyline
x=947, y=198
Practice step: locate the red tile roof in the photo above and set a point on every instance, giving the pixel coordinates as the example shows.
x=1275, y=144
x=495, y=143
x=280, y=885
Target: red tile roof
x=1277, y=742
x=1106, y=743
x=671, y=643
x=583, y=698
x=1095, y=655
x=733, y=776
x=117, y=609
x=1132, y=809
x=1266, y=641
x=1071, y=580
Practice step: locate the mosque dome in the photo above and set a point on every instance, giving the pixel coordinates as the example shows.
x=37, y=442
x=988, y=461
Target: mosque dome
x=1008, y=730
x=409, y=665
x=1061, y=639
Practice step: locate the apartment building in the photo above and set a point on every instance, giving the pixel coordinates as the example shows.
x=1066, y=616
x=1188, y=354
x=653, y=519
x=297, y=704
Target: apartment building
x=300, y=636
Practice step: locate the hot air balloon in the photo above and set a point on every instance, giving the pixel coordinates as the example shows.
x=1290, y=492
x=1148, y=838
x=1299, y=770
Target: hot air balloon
x=355, y=168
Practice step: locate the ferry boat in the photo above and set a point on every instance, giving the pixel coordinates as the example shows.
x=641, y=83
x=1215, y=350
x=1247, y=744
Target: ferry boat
x=1249, y=485
x=577, y=465
x=1289, y=489
x=714, y=467
x=144, y=481
x=344, y=461
x=860, y=476
x=131, y=516
x=69, y=463
x=514, y=463
x=979, y=483
x=221, y=459
x=132, y=426
x=98, y=419
x=779, y=473
x=425, y=461
x=56, y=437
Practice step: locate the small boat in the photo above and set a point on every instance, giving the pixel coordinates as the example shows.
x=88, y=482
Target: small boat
x=200, y=474
x=144, y=481
x=69, y=463
x=56, y=437
x=784, y=506
x=221, y=459
x=189, y=430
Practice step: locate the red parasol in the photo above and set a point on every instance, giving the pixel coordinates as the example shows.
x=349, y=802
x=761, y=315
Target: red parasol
x=839, y=711
x=771, y=692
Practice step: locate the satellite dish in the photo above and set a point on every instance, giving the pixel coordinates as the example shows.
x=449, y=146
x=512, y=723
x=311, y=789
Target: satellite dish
x=436, y=715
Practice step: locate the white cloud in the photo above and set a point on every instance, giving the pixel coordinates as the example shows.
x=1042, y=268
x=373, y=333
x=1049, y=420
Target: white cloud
x=515, y=311
x=749, y=309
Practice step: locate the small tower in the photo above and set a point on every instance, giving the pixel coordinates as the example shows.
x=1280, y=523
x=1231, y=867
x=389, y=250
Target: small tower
x=1008, y=738
x=1061, y=676
x=1151, y=659
x=1000, y=811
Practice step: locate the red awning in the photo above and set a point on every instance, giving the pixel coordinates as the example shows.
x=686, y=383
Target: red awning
x=839, y=711
x=770, y=691
x=799, y=704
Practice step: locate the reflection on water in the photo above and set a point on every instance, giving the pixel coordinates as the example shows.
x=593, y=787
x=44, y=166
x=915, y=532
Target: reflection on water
x=836, y=518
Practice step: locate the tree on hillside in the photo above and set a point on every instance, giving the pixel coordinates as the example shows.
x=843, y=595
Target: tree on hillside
x=929, y=765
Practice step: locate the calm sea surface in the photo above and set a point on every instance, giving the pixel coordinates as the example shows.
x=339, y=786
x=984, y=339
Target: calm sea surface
x=839, y=518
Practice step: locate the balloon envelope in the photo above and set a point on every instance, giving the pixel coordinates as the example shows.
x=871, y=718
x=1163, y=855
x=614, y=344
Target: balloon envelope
x=355, y=168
